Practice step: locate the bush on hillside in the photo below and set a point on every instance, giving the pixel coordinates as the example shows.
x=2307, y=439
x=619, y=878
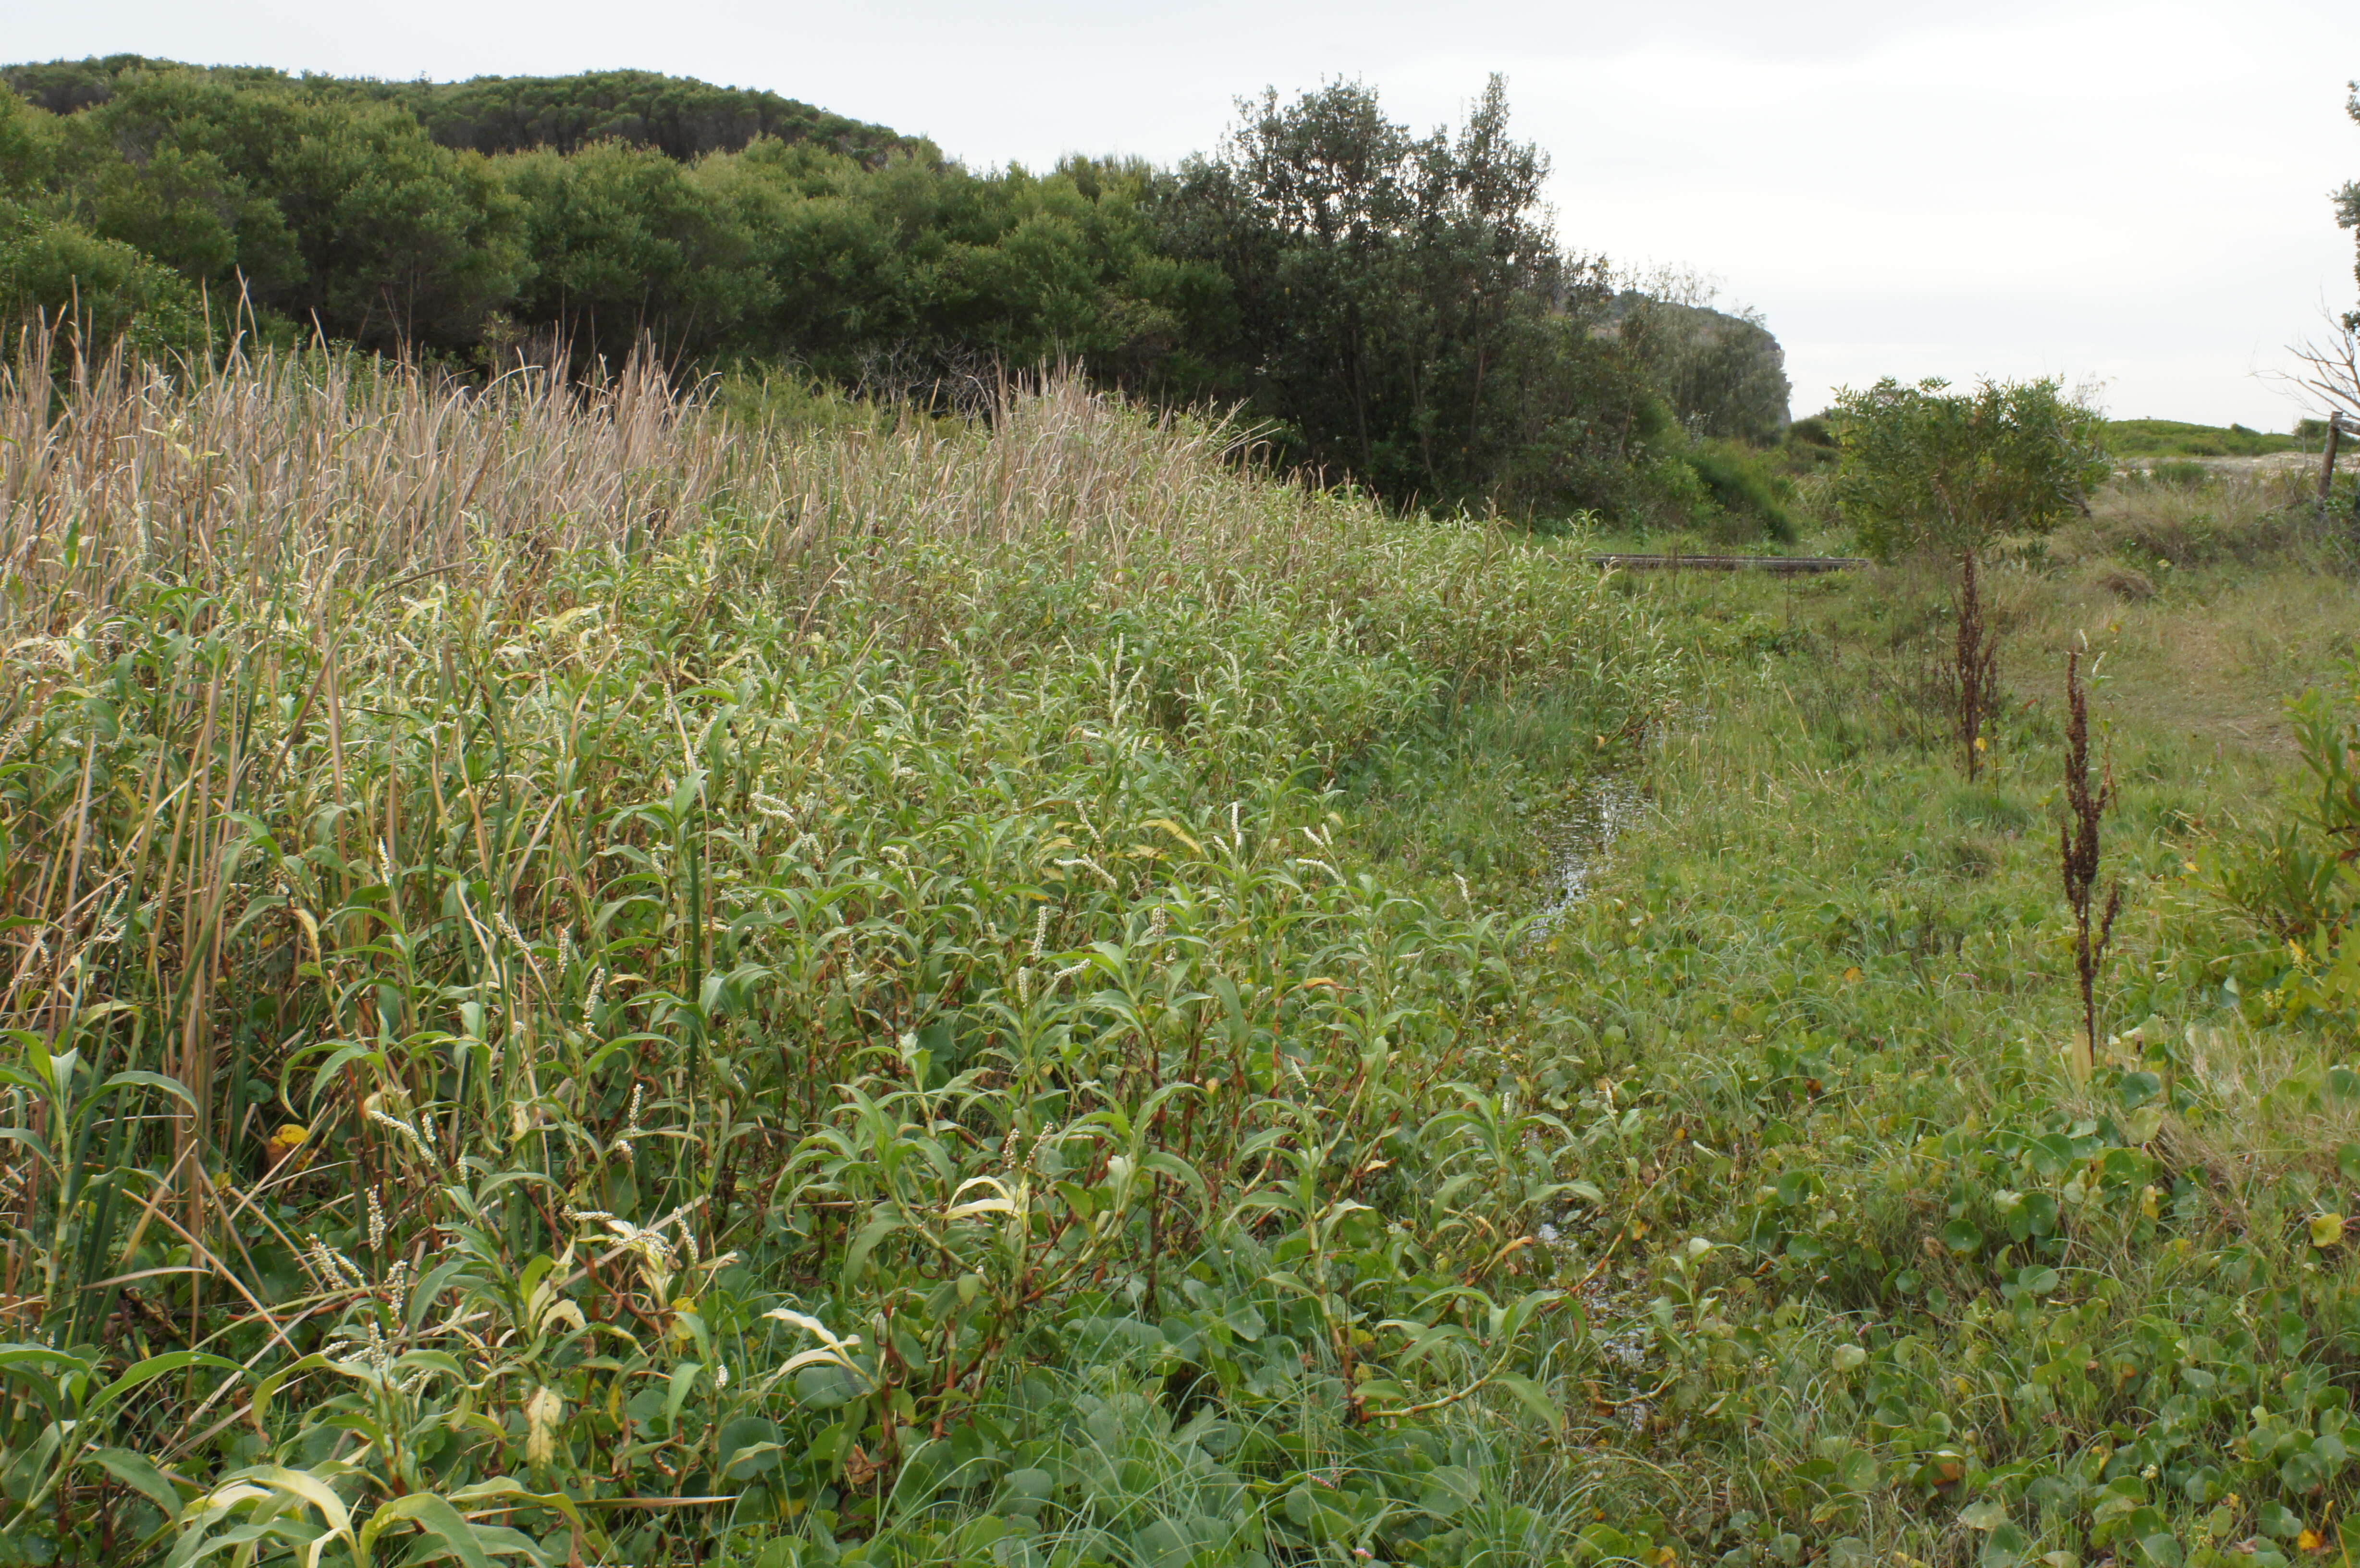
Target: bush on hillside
x=1417, y=331
x=94, y=293
x=1746, y=487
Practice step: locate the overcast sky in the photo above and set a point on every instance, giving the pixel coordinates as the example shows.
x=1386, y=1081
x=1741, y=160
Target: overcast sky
x=2135, y=194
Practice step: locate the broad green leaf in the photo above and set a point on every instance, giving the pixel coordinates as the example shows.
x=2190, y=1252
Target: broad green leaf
x=1533, y=1397
x=855, y=1256
x=137, y=1079
x=159, y=1366
x=1984, y=1513
x=436, y=1517
x=141, y=1475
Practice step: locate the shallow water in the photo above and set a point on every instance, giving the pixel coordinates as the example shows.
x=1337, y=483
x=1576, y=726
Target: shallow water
x=1580, y=842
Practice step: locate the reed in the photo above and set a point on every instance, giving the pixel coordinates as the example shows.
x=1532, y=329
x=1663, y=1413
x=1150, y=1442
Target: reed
x=501, y=883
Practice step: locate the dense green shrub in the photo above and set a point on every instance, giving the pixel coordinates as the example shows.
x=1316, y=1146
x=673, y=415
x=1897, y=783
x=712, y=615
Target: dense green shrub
x=678, y=116
x=1743, y=484
x=805, y=968
x=92, y=292
x=1723, y=373
x=1925, y=468
x=2302, y=883
x=625, y=245
x=1417, y=330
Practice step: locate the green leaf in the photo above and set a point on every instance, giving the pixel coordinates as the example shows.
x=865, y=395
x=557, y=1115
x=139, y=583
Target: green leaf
x=1530, y=1395
x=1448, y=1489
x=683, y=1383
x=157, y=1367
x=2279, y=1521
x=1962, y=1237
x=310, y=1488
x=826, y=1387
x=747, y=1445
x=558, y=1503
x=2004, y=1548
x=436, y=1518
x=1983, y=1513
x=31, y=1141
x=134, y=1078
x=142, y=1476
x=855, y=1256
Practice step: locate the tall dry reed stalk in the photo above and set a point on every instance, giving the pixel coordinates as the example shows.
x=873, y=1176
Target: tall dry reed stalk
x=286, y=476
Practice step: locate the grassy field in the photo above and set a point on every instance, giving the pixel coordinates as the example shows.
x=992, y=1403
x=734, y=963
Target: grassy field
x=2175, y=438
x=596, y=981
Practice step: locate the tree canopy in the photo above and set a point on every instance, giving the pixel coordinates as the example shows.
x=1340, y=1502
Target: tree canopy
x=678, y=116
x=1927, y=468
x=1397, y=308
x=1402, y=305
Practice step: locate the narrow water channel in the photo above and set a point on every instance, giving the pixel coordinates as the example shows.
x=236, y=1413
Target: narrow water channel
x=1580, y=842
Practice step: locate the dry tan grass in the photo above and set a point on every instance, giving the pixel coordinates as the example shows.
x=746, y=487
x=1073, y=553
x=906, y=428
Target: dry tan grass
x=337, y=472
x=2233, y=517
x=286, y=482
x=324, y=471
x=2211, y=605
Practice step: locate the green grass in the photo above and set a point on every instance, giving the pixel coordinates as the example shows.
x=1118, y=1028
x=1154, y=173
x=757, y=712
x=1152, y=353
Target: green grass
x=596, y=977
x=1906, y=1280
x=2175, y=438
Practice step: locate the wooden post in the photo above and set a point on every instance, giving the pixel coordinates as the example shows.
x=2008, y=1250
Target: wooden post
x=2327, y=461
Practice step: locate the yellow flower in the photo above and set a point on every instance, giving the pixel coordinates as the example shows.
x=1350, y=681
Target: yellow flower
x=286, y=1141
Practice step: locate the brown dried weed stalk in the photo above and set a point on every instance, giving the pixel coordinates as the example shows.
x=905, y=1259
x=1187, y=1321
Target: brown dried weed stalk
x=1975, y=666
x=2079, y=853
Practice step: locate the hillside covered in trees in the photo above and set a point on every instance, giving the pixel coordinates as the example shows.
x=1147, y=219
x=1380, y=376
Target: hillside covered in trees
x=619, y=954
x=1399, y=309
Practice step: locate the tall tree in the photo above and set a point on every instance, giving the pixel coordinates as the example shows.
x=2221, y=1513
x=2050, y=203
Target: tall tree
x=1390, y=290
x=339, y=212
x=627, y=246
x=1923, y=467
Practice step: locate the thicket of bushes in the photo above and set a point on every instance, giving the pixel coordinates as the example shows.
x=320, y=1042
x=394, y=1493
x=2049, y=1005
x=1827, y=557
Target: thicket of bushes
x=1397, y=308
x=614, y=958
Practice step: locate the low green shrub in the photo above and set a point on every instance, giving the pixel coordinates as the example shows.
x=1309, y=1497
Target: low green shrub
x=94, y=292
x=1747, y=489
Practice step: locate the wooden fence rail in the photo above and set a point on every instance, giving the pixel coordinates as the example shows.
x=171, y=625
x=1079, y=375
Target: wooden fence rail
x=1777, y=565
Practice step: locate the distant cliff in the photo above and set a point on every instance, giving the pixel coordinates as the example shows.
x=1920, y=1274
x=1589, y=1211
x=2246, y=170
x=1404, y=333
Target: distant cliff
x=1723, y=374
